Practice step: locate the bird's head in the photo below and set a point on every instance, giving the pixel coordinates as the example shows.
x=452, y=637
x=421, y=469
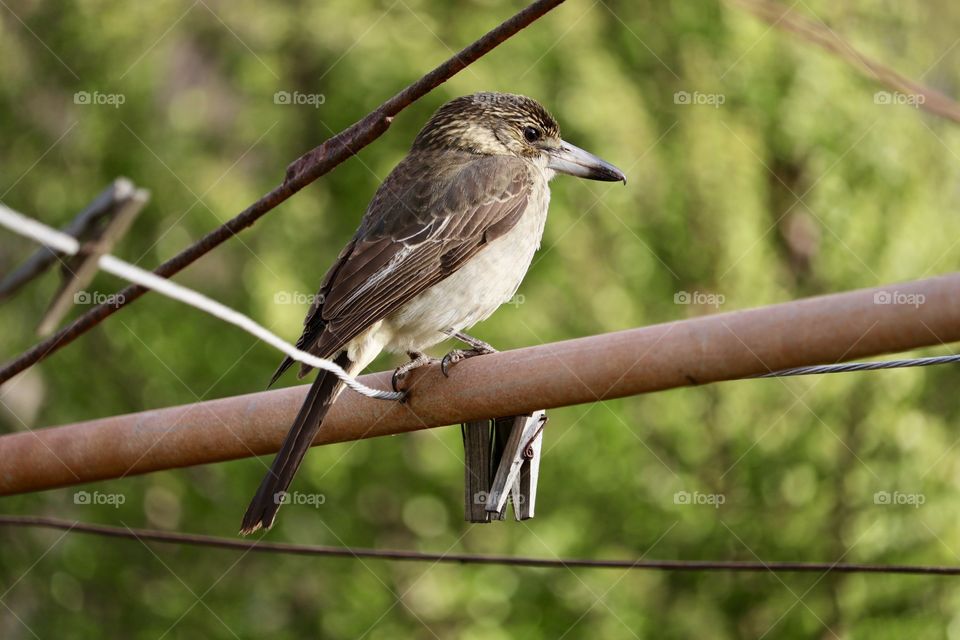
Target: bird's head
x=504, y=124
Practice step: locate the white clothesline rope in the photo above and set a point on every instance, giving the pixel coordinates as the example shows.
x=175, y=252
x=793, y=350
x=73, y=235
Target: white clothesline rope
x=41, y=233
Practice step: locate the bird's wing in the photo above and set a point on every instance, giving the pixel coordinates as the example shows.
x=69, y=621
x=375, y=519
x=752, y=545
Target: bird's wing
x=428, y=218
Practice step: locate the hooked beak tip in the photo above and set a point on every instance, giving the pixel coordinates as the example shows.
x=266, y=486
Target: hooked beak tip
x=574, y=161
x=618, y=176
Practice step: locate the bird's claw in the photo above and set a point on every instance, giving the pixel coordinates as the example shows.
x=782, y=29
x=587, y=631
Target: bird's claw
x=457, y=355
x=395, y=380
x=416, y=360
x=453, y=357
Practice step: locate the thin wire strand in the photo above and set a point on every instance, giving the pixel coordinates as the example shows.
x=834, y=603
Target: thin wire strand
x=168, y=537
x=860, y=366
x=50, y=237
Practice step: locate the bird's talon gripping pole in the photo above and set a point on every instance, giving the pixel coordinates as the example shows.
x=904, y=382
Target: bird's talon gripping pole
x=477, y=348
x=445, y=366
x=417, y=360
x=457, y=355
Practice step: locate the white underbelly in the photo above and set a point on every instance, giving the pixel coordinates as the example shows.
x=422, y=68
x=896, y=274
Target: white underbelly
x=473, y=292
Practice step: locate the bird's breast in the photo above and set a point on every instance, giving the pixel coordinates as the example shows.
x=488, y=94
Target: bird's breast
x=473, y=292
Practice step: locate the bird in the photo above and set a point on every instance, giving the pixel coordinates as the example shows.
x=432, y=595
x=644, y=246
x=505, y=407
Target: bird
x=447, y=238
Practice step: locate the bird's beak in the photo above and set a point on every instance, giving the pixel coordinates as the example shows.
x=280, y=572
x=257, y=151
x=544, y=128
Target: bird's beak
x=575, y=161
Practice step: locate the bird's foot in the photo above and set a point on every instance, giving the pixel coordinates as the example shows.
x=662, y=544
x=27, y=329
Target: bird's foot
x=417, y=360
x=457, y=355
x=477, y=348
x=474, y=343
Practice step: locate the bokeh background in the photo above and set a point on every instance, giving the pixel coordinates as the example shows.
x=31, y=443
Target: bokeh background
x=783, y=176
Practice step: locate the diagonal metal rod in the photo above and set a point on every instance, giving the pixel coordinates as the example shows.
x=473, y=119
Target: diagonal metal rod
x=727, y=346
x=301, y=173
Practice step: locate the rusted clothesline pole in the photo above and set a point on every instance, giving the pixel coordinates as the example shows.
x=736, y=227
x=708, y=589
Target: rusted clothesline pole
x=727, y=346
x=301, y=173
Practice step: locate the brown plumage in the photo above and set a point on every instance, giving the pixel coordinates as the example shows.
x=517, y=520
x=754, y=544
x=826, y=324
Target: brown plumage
x=446, y=239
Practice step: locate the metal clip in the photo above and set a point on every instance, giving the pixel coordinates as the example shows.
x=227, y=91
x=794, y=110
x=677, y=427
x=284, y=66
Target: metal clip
x=508, y=450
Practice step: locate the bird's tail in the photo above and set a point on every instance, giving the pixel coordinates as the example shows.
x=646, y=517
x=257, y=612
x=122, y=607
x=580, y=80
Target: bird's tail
x=263, y=508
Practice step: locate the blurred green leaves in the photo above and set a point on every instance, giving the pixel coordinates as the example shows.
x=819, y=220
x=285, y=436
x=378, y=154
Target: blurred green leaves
x=798, y=183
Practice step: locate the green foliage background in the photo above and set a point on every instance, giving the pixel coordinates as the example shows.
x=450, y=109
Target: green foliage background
x=798, y=184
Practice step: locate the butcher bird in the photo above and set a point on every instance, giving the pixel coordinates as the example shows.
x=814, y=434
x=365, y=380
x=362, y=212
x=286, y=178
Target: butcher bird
x=447, y=238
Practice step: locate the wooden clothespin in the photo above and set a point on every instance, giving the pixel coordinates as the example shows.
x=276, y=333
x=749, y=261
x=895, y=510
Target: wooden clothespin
x=98, y=227
x=502, y=460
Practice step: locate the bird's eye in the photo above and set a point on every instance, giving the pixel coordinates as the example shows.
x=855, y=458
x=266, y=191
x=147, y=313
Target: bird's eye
x=532, y=134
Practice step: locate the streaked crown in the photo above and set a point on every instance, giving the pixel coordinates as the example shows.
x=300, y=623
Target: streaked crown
x=489, y=124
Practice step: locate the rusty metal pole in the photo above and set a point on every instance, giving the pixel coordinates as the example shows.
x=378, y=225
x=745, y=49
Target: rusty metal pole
x=725, y=346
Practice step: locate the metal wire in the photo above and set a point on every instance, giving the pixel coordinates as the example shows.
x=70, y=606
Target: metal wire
x=860, y=366
x=153, y=535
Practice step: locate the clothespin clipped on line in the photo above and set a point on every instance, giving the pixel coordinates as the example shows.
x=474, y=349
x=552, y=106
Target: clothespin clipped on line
x=98, y=227
x=502, y=461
